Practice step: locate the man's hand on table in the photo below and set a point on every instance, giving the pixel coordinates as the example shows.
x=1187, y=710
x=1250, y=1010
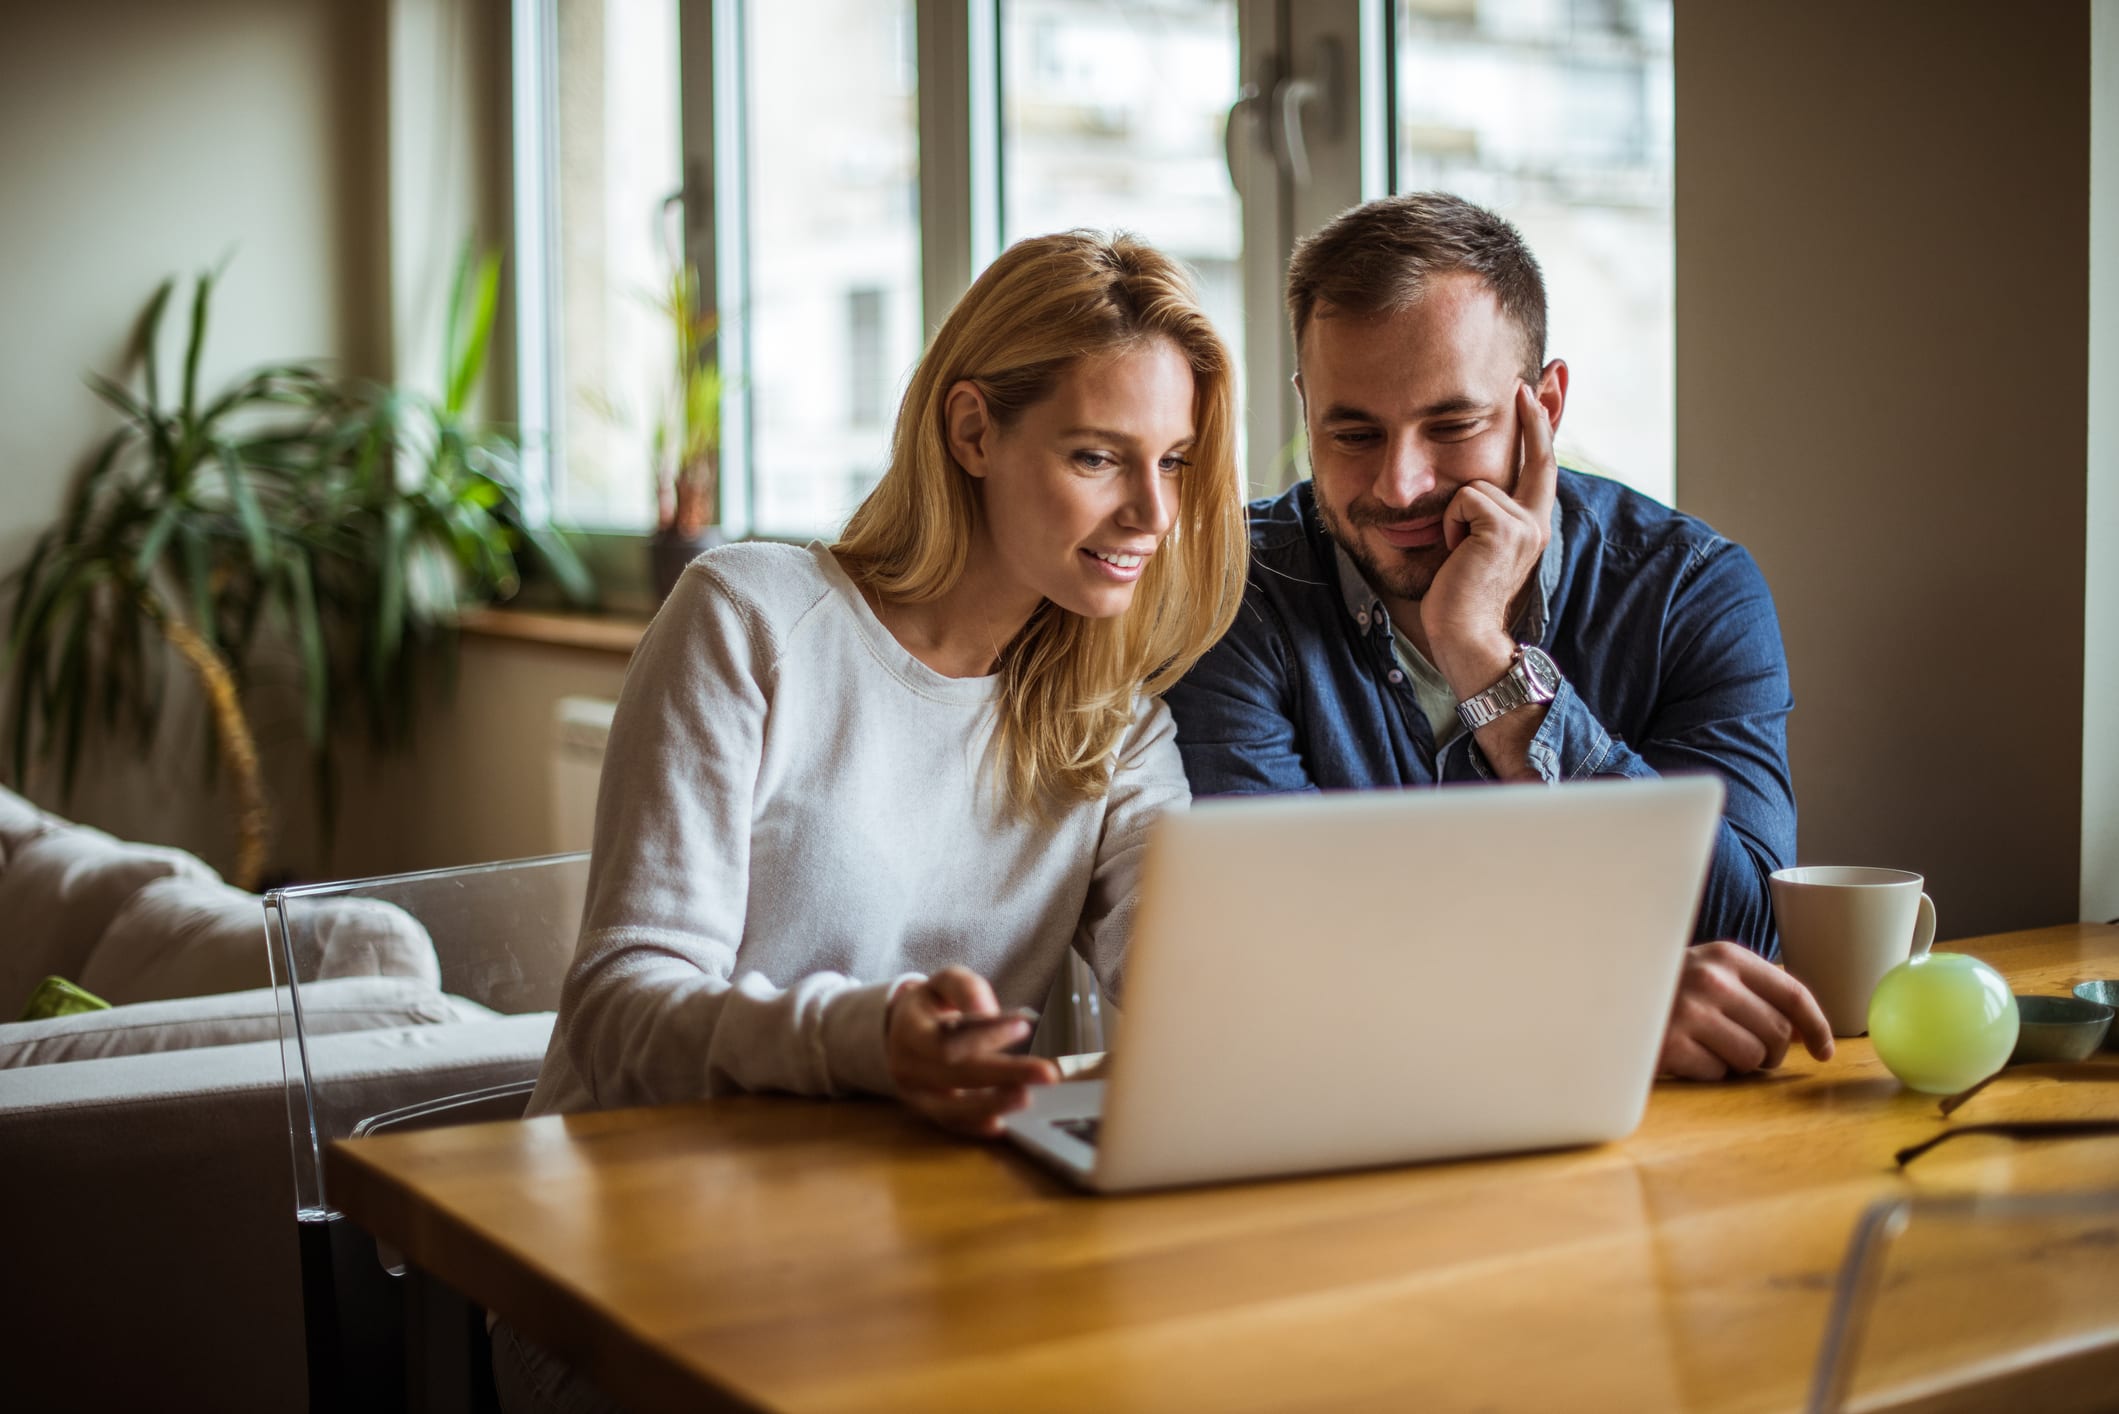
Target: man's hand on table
x=962, y=1080
x=1737, y=1013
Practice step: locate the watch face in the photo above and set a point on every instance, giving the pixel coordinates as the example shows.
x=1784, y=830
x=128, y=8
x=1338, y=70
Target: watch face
x=1544, y=675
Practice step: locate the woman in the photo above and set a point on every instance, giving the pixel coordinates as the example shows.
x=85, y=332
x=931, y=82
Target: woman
x=855, y=793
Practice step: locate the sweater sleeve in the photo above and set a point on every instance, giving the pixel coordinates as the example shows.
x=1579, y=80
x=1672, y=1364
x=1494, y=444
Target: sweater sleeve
x=653, y=1009
x=1149, y=782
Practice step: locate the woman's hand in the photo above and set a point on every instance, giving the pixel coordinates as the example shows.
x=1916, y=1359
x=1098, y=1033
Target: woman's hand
x=962, y=1080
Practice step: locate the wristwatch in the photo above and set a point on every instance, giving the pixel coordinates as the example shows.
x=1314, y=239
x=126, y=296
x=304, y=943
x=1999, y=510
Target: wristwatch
x=1531, y=678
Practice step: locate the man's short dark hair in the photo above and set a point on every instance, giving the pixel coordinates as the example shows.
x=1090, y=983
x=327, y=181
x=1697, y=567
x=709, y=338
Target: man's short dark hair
x=1379, y=257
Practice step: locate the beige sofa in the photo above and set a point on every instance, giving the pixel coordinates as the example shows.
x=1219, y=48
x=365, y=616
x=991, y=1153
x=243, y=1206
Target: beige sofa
x=145, y=1169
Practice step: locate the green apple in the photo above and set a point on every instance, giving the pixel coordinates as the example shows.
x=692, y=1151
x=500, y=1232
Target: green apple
x=1943, y=1022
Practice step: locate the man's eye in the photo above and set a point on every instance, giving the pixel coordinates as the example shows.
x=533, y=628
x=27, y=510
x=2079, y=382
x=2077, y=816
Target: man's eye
x=1453, y=429
x=1352, y=437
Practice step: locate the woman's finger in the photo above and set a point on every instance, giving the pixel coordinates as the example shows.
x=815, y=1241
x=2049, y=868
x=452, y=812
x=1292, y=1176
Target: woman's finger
x=969, y=1111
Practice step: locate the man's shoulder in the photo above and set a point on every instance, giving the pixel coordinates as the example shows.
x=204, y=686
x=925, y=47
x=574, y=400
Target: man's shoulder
x=1281, y=524
x=1612, y=519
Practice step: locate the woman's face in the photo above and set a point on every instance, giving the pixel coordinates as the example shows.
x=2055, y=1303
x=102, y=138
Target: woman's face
x=1080, y=491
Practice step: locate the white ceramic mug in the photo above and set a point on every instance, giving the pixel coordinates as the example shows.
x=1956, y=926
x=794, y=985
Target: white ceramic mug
x=1842, y=928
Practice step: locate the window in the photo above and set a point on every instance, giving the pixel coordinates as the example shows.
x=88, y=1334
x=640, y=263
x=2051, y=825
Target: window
x=614, y=169
x=1558, y=115
x=829, y=210
x=854, y=163
x=1112, y=117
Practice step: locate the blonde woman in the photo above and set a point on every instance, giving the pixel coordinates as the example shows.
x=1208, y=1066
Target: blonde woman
x=855, y=792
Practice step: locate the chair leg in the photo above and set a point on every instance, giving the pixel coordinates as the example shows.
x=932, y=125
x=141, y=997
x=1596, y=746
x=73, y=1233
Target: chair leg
x=353, y=1321
x=449, y=1356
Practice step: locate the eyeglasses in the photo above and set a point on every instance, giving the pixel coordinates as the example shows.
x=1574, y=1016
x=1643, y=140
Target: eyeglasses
x=2016, y=1129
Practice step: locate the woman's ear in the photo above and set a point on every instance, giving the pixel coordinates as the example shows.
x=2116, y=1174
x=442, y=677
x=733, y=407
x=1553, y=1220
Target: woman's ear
x=966, y=427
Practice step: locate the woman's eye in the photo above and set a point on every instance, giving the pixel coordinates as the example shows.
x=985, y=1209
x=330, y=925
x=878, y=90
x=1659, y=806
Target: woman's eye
x=1173, y=464
x=1095, y=461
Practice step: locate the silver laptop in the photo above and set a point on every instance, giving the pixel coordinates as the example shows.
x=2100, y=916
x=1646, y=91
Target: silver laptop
x=1382, y=977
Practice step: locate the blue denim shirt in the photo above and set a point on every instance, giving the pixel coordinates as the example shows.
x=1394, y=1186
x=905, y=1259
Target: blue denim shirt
x=1664, y=630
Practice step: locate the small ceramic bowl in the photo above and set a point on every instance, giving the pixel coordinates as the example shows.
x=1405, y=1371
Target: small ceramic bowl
x=2060, y=1028
x=2106, y=991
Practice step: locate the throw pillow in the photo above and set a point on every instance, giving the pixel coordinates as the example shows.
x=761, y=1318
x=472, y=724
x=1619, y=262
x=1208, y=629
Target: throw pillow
x=60, y=891
x=20, y=821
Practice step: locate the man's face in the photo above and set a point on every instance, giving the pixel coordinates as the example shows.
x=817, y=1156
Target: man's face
x=1404, y=409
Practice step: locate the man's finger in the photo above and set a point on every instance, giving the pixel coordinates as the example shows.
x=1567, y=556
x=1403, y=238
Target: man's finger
x=1538, y=482
x=1731, y=1042
x=1728, y=989
x=1475, y=503
x=1687, y=1059
x=1793, y=1000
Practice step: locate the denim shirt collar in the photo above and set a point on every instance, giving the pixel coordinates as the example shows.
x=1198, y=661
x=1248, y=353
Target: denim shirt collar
x=1363, y=605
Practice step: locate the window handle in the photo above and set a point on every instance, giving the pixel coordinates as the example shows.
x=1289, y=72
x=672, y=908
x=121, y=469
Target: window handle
x=1248, y=101
x=1321, y=87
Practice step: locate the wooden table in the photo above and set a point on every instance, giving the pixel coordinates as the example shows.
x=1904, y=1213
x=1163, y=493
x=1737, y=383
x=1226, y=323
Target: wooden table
x=795, y=1254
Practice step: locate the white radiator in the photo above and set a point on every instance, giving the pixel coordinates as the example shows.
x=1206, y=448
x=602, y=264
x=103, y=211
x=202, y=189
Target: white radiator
x=581, y=726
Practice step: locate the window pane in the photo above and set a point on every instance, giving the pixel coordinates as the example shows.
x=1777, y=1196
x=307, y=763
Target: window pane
x=615, y=72
x=1112, y=118
x=1558, y=115
x=832, y=314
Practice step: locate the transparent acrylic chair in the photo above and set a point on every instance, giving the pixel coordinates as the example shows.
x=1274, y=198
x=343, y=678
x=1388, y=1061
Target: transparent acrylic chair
x=410, y=1001
x=1976, y=1301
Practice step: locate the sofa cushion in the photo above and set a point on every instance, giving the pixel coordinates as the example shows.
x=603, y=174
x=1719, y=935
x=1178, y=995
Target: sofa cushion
x=21, y=822
x=183, y=937
x=60, y=890
x=228, y=1019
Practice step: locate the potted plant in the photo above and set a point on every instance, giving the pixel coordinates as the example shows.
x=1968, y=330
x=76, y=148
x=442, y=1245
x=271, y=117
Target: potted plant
x=687, y=439
x=350, y=520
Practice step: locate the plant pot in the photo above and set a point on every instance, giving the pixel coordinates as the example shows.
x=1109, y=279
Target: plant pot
x=668, y=552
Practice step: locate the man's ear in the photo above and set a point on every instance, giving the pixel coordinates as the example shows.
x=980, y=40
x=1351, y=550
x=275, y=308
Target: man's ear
x=1552, y=392
x=966, y=426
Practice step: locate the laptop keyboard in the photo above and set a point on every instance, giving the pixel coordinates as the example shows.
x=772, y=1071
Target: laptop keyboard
x=1085, y=1130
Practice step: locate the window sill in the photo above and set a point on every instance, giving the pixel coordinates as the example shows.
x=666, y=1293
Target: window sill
x=615, y=634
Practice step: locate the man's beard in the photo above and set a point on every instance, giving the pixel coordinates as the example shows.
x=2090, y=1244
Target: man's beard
x=1400, y=574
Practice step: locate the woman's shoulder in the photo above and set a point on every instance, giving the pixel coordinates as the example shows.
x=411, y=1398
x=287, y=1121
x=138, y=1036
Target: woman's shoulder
x=773, y=585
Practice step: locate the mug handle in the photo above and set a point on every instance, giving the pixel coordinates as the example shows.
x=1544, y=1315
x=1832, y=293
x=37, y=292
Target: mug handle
x=1924, y=928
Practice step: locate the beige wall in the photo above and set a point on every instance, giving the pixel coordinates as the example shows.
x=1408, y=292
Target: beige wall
x=1882, y=225
x=140, y=139
x=2100, y=725
x=479, y=785
x=342, y=149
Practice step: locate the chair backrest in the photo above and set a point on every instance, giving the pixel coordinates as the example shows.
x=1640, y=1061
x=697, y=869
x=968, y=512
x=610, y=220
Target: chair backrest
x=396, y=992
x=1986, y=1300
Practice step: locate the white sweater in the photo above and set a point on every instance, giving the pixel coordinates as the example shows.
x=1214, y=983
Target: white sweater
x=796, y=814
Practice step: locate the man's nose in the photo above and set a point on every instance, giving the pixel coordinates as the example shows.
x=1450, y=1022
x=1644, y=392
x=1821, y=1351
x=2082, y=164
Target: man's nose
x=1407, y=473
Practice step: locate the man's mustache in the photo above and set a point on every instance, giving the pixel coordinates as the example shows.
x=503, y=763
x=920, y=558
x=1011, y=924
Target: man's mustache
x=1368, y=512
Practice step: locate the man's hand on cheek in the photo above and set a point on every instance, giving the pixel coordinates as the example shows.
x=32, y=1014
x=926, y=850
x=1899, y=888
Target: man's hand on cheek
x=1495, y=540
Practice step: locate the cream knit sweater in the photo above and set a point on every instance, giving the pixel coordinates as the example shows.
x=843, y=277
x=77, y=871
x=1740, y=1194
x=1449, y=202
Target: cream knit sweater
x=795, y=814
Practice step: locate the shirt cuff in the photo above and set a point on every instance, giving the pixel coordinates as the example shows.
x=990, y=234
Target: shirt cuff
x=854, y=1036
x=1568, y=745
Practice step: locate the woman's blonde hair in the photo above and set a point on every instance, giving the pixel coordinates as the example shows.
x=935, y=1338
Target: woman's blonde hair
x=1067, y=683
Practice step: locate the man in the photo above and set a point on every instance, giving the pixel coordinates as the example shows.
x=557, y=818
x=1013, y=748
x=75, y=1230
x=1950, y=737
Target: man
x=1441, y=603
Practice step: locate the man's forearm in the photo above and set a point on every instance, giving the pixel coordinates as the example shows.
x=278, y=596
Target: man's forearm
x=1471, y=668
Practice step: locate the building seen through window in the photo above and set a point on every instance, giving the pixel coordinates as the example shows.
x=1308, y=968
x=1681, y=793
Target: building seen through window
x=1559, y=115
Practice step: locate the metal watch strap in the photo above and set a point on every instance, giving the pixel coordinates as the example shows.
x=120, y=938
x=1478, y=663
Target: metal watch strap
x=1515, y=689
